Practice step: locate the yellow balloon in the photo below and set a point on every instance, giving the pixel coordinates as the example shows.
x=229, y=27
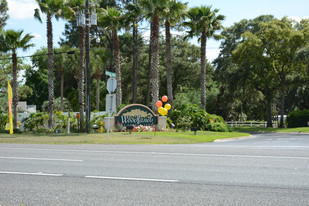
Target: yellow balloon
x=164, y=112
x=160, y=109
x=167, y=106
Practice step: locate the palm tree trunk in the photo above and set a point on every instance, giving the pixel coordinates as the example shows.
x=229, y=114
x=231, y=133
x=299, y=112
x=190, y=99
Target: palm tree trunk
x=155, y=62
x=169, y=63
x=98, y=93
x=50, y=71
x=203, y=69
x=61, y=88
x=149, y=70
x=15, y=90
x=117, y=68
x=135, y=63
x=81, y=77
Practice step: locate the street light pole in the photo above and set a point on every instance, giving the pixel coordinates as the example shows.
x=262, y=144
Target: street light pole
x=87, y=65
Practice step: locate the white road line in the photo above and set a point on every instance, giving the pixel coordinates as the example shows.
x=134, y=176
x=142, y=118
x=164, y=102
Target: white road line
x=131, y=179
x=176, y=154
x=29, y=173
x=41, y=159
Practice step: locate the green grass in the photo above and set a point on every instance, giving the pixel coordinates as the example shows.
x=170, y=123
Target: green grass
x=120, y=138
x=263, y=129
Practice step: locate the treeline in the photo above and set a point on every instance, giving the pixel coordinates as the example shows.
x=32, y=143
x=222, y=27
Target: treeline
x=261, y=71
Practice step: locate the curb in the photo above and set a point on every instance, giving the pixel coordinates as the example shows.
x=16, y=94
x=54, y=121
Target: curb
x=232, y=139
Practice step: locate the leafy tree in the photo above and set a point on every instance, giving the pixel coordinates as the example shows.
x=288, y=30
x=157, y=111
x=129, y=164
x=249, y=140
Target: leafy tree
x=52, y=8
x=281, y=41
x=3, y=13
x=238, y=94
x=204, y=22
x=12, y=41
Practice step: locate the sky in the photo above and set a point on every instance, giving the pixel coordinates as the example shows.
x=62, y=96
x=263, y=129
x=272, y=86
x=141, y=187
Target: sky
x=21, y=17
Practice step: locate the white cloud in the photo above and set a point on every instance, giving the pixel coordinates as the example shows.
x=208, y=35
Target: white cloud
x=21, y=9
x=298, y=18
x=37, y=36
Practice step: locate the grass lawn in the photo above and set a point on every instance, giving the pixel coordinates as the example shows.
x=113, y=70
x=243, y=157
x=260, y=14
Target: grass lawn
x=263, y=129
x=187, y=137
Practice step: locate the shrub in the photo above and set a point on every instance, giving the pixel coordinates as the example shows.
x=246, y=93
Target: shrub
x=218, y=127
x=35, y=121
x=4, y=118
x=99, y=121
x=191, y=116
x=298, y=118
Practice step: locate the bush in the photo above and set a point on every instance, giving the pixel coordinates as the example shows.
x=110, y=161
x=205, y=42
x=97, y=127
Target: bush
x=35, y=121
x=218, y=127
x=298, y=118
x=99, y=121
x=191, y=116
x=4, y=118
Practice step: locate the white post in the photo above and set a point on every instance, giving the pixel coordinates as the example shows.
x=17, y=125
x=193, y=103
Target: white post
x=69, y=123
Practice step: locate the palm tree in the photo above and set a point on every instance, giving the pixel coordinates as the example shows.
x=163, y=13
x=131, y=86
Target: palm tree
x=71, y=10
x=52, y=8
x=12, y=40
x=61, y=66
x=113, y=20
x=153, y=9
x=133, y=16
x=172, y=15
x=203, y=22
x=99, y=62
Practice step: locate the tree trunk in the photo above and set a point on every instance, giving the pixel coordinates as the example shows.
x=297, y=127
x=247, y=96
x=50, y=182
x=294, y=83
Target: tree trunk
x=135, y=63
x=155, y=62
x=98, y=93
x=282, y=102
x=81, y=77
x=169, y=64
x=117, y=68
x=61, y=88
x=203, y=69
x=268, y=96
x=149, y=70
x=50, y=71
x=15, y=90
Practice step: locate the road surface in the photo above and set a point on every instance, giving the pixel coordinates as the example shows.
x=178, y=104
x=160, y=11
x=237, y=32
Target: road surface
x=268, y=169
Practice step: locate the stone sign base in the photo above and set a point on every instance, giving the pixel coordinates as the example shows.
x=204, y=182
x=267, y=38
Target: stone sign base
x=161, y=123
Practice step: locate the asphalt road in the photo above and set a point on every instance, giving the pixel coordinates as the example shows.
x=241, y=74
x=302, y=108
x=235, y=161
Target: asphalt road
x=268, y=169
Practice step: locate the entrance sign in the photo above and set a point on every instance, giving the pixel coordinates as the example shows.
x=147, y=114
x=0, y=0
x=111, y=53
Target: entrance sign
x=136, y=114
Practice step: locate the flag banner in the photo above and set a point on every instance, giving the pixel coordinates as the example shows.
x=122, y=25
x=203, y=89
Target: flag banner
x=10, y=94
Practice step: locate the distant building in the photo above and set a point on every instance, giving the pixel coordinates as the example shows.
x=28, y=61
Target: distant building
x=22, y=107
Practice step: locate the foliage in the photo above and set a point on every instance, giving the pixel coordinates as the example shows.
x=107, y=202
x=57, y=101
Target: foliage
x=35, y=121
x=3, y=13
x=4, y=118
x=98, y=120
x=184, y=123
x=61, y=120
x=298, y=118
x=191, y=116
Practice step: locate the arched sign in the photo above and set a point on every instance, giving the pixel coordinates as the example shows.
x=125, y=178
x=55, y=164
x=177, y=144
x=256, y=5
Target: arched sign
x=136, y=114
